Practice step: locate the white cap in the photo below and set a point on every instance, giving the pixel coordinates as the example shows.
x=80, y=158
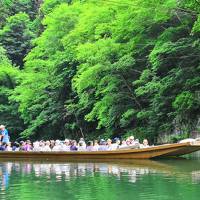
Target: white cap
x=2, y=126
x=131, y=137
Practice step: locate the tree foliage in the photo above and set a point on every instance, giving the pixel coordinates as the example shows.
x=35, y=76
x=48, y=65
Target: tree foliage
x=16, y=37
x=8, y=80
x=102, y=68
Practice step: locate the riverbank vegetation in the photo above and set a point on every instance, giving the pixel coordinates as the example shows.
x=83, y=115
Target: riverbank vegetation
x=99, y=68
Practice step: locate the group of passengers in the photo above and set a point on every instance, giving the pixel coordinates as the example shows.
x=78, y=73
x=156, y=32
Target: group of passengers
x=73, y=145
x=67, y=144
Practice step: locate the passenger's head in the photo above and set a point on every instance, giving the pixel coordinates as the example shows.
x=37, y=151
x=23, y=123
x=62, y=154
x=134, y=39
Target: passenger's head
x=22, y=143
x=16, y=144
x=123, y=142
x=4, y=144
x=96, y=142
x=81, y=143
x=102, y=142
x=66, y=142
x=117, y=140
x=28, y=142
x=82, y=139
x=41, y=144
x=89, y=143
x=137, y=141
x=145, y=142
x=128, y=142
x=9, y=144
x=36, y=144
x=2, y=127
x=131, y=138
x=109, y=141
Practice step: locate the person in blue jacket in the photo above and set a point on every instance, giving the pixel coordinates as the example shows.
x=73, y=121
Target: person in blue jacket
x=4, y=136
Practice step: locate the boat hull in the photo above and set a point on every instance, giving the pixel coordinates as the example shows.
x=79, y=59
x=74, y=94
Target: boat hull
x=169, y=150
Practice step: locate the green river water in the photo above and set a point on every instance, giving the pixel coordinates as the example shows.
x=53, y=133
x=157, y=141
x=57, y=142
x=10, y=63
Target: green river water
x=124, y=180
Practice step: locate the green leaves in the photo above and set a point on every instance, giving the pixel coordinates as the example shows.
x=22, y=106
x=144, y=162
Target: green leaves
x=185, y=101
x=8, y=80
x=102, y=68
x=16, y=37
x=127, y=117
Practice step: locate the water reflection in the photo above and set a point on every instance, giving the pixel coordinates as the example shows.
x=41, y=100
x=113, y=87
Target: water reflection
x=196, y=176
x=5, y=171
x=68, y=171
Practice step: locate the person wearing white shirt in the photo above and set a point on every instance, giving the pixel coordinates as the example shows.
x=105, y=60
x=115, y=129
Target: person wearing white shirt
x=47, y=146
x=57, y=146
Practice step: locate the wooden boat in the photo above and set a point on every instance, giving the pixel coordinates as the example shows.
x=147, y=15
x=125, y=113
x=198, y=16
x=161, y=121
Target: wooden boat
x=161, y=151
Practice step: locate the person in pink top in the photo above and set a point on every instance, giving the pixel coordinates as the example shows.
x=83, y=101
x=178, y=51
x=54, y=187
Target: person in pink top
x=28, y=146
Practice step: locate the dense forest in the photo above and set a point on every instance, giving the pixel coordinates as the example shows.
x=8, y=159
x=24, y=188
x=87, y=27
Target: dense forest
x=99, y=68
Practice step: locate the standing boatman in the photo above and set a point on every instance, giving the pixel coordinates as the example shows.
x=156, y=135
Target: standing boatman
x=4, y=136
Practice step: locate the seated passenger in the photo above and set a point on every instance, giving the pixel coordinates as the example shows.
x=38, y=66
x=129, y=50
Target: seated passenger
x=109, y=144
x=131, y=140
x=136, y=144
x=41, y=145
x=128, y=142
x=15, y=146
x=102, y=145
x=57, y=146
x=66, y=146
x=28, y=146
x=123, y=145
x=81, y=146
x=116, y=144
x=73, y=146
x=90, y=146
x=36, y=146
x=96, y=146
x=3, y=146
x=145, y=144
x=8, y=147
x=47, y=146
x=52, y=144
x=83, y=142
x=22, y=146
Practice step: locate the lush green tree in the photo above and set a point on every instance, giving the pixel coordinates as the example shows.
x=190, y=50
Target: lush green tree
x=16, y=37
x=106, y=69
x=12, y=7
x=48, y=5
x=42, y=104
x=9, y=115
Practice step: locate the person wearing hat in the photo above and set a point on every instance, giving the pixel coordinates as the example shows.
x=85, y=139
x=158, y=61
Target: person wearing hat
x=131, y=140
x=4, y=134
